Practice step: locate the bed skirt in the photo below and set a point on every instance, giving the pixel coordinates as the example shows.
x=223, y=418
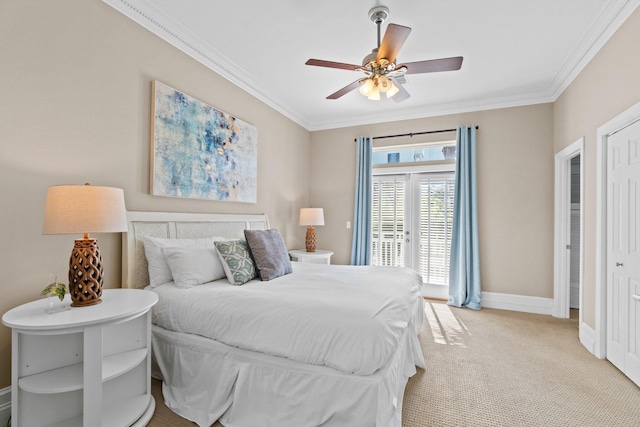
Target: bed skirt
x=205, y=381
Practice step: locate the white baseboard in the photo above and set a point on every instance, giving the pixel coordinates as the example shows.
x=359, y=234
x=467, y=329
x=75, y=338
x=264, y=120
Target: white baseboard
x=5, y=406
x=588, y=338
x=523, y=303
x=435, y=291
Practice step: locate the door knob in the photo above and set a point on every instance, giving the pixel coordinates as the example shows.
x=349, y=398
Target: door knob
x=619, y=264
x=635, y=297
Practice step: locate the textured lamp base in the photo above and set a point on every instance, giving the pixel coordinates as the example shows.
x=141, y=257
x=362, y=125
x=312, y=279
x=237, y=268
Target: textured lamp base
x=310, y=242
x=85, y=273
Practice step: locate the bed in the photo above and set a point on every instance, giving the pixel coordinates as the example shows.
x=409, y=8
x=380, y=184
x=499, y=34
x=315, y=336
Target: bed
x=324, y=345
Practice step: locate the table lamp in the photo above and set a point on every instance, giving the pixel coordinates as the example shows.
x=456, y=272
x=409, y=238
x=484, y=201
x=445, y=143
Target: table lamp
x=84, y=209
x=311, y=217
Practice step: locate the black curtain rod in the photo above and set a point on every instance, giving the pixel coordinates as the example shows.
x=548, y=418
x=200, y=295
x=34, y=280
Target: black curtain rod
x=417, y=133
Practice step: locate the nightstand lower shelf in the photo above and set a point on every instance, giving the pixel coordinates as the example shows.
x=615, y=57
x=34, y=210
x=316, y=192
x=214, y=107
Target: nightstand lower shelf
x=139, y=408
x=69, y=378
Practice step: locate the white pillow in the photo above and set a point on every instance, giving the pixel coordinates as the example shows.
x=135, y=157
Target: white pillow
x=159, y=271
x=193, y=266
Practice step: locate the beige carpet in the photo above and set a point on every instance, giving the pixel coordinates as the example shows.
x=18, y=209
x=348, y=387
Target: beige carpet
x=502, y=368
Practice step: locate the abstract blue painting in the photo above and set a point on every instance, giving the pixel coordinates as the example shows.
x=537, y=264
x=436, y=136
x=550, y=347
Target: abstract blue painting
x=200, y=152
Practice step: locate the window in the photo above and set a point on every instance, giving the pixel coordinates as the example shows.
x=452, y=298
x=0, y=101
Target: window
x=415, y=153
x=412, y=219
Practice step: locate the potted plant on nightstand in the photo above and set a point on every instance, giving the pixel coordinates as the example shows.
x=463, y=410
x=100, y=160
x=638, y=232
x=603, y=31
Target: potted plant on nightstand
x=53, y=290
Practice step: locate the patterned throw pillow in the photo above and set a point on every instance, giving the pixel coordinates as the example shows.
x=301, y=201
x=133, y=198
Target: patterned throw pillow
x=236, y=260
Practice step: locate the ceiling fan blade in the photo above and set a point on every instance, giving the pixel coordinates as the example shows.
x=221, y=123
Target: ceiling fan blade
x=433, y=65
x=331, y=64
x=394, y=38
x=402, y=92
x=344, y=90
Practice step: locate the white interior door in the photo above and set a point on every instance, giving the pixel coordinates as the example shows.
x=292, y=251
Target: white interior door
x=623, y=257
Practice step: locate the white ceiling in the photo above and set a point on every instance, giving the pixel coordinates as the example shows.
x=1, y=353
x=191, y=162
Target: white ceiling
x=515, y=52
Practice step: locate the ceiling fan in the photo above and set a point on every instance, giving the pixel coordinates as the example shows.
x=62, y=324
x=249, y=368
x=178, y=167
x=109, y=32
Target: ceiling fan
x=383, y=75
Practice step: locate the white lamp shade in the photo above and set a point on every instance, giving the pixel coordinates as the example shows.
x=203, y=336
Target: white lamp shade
x=367, y=86
x=311, y=216
x=375, y=94
x=79, y=209
x=392, y=90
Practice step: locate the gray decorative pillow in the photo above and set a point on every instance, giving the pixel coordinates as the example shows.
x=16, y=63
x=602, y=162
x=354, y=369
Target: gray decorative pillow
x=236, y=261
x=269, y=253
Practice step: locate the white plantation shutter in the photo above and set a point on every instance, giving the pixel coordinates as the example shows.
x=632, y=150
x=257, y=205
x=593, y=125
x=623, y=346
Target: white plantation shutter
x=388, y=220
x=419, y=238
x=435, y=227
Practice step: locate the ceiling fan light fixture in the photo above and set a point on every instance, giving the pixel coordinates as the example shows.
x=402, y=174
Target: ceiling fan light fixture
x=392, y=90
x=367, y=87
x=383, y=74
x=375, y=94
x=384, y=84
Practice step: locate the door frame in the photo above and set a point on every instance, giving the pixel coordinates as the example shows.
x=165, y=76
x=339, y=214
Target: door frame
x=562, y=229
x=622, y=120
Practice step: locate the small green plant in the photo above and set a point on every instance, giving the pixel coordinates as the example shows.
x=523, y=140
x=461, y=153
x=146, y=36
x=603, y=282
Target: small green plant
x=55, y=288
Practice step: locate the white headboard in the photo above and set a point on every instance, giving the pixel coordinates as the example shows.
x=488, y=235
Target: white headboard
x=135, y=273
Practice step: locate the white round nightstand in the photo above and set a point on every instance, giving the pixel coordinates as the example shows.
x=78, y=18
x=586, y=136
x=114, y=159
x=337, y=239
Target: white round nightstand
x=318, y=257
x=89, y=366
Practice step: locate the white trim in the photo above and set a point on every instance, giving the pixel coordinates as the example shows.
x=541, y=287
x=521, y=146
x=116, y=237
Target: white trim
x=562, y=227
x=620, y=121
x=587, y=337
x=614, y=13
x=523, y=303
x=145, y=13
x=435, y=291
x=5, y=405
x=149, y=16
x=434, y=166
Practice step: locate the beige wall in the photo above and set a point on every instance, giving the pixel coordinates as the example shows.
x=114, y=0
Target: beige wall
x=515, y=191
x=75, y=107
x=609, y=85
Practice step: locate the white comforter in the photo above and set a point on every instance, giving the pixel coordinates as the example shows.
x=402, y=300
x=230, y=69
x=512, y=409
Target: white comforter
x=348, y=318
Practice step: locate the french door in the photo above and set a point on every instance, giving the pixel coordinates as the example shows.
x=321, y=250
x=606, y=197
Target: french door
x=413, y=222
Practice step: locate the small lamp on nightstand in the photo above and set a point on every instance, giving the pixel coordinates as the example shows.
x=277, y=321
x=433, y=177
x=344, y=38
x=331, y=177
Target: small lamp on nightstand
x=311, y=217
x=84, y=209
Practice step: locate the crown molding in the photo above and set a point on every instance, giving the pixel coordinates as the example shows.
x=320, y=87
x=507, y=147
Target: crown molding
x=466, y=106
x=143, y=12
x=612, y=16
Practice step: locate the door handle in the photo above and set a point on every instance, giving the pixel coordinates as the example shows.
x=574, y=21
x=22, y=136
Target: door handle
x=635, y=297
x=619, y=264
